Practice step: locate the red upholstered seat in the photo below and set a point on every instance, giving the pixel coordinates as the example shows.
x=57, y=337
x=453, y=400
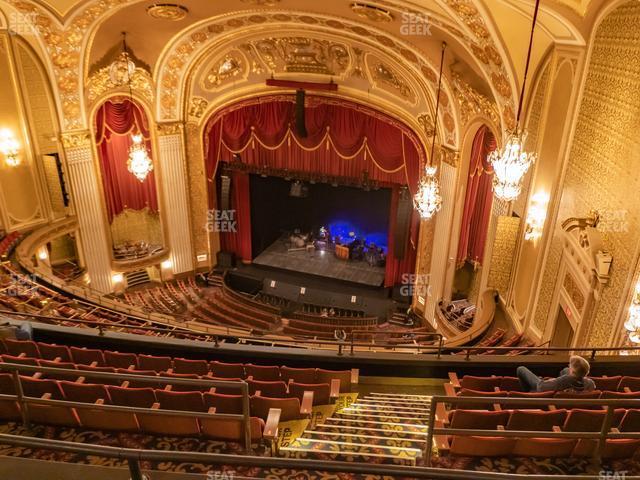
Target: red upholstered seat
x=262, y=372
x=478, y=419
x=476, y=393
x=595, y=394
x=86, y=356
x=183, y=365
x=18, y=347
x=607, y=383
x=48, y=414
x=482, y=384
x=132, y=397
x=173, y=424
x=223, y=403
x=152, y=362
x=20, y=360
x=139, y=383
x=631, y=421
x=185, y=401
x=543, y=421
x=321, y=392
x=478, y=445
x=583, y=420
x=49, y=351
x=299, y=375
x=510, y=384
x=86, y=370
x=624, y=447
x=325, y=376
x=527, y=395
x=536, y=420
x=179, y=387
x=227, y=390
x=230, y=430
x=622, y=396
x=290, y=407
x=9, y=409
x=84, y=392
x=120, y=360
x=227, y=370
x=632, y=383
x=268, y=389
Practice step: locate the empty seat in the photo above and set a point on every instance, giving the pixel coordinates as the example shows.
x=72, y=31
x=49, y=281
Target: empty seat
x=183, y=365
x=568, y=395
x=325, y=376
x=475, y=393
x=298, y=375
x=510, y=384
x=26, y=348
x=227, y=390
x=290, y=407
x=262, y=372
x=223, y=403
x=227, y=370
x=139, y=383
x=632, y=383
x=48, y=414
x=152, y=362
x=321, y=392
x=20, y=360
x=230, y=430
x=536, y=420
x=478, y=445
x=521, y=406
x=607, y=383
x=543, y=421
x=180, y=387
x=583, y=420
x=631, y=421
x=87, y=356
x=120, y=360
x=49, y=351
x=184, y=401
x=482, y=384
x=84, y=392
x=9, y=409
x=268, y=389
x=132, y=397
x=173, y=424
x=86, y=370
x=631, y=396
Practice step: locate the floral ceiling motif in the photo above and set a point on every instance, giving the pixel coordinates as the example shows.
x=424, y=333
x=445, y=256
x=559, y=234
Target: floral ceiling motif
x=472, y=103
x=100, y=83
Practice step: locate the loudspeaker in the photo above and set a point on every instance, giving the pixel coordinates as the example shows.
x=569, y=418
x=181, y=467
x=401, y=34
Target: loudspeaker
x=225, y=190
x=301, y=128
x=403, y=221
x=225, y=260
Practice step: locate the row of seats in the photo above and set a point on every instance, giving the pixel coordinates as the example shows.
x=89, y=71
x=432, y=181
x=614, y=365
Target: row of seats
x=491, y=383
x=21, y=351
x=573, y=420
x=8, y=243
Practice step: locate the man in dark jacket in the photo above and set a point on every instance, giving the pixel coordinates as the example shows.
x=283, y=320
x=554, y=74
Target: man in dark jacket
x=573, y=378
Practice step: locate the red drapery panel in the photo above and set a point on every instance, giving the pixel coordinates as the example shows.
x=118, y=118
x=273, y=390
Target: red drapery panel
x=478, y=199
x=344, y=139
x=115, y=123
x=397, y=267
x=239, y=242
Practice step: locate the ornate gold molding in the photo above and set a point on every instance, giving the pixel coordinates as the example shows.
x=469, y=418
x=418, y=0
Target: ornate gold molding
x=170, y=128
x=76, y=139
x=449, y=156
x=473, y=103
x=100, y=83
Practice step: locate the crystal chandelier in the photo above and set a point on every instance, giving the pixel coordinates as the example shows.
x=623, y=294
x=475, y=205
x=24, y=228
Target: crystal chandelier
x=511, y=164
x=139, y=163
x=122, y=69
x=632, y=325
x=428, y=200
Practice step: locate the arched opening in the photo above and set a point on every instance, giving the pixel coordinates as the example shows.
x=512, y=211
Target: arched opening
x=132, y=205
x=351, y=157
x=475, y=217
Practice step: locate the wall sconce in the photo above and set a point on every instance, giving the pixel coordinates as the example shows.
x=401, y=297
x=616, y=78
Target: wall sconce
x=536, y=215
x=43, y=254
x=117, y=278
x=166, y=265
x=632, y=325
x=9, y=147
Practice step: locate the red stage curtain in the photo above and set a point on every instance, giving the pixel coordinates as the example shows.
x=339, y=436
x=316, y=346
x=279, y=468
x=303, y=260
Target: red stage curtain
x=115, y=123
x=478, y=199
x=397, y=267
x=344, y=139
x=239, y=242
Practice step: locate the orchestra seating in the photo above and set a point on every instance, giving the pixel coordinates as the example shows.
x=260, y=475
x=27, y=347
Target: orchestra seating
x=8, y=243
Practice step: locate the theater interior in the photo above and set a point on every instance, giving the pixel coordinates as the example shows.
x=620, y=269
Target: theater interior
x=291, y=239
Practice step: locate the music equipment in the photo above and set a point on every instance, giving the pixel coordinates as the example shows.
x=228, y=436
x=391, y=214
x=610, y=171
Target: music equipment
x=301, y=128
x=403, y=221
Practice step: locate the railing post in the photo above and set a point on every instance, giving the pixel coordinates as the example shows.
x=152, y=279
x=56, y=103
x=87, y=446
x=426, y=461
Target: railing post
x=468, y=354
x=602, y=441
x=440, y=347
x=430, y=426
x=246, y=420
x=593, y=354
x=24, y=409
x=340, y=348
x=216, y=342
x=134, y=469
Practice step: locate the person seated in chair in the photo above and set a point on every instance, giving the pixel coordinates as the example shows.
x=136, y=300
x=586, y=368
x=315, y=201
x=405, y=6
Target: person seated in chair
x=572, y=378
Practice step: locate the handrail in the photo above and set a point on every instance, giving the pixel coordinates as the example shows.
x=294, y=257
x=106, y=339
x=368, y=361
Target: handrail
x=602, y=436
x=134, y=456
x=439, y=336
x=24, y=400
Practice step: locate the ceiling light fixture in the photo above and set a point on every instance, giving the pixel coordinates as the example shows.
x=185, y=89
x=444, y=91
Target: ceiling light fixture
x=512, y=162
x=428, y=200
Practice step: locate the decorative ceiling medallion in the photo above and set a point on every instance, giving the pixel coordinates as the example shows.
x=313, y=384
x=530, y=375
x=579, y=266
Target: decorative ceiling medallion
x=167, y=11
x=371, y=12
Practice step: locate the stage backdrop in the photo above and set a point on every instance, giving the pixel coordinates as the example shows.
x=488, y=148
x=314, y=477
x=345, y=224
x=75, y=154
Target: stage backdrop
x=115, y=123
x=344, y=139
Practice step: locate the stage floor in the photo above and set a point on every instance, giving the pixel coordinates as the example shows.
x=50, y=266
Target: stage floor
x=323, y=264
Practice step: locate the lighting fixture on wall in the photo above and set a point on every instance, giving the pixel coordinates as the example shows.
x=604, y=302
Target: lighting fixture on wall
x=536, y=215
x=9, y=147
x=122, y=69
x=632, y=325
x=166, y=264
x=428, y=200
x=512, y=162
x=117, y=278
x=139, y=163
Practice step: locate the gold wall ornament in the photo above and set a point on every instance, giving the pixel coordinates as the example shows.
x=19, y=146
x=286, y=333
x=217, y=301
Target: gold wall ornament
x=100, y=83
x=167, y=11
x=223, y=70
x=386, y=75
x=262, y=3
x=78, y=139
x=371, y=12
x=504, y=248
x=472, y=103
x=449, y=156
x=197, y=107
x=170, y=128
x=575, y=293
x=426, y=122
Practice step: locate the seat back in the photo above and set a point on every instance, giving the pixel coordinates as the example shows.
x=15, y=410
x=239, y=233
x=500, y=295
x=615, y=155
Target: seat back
x=18, y=347
x=86, y=356
x=84, y=392
x=607, y=383
x=583, y=420
x=321, y=392
x=152, y=362
x=299, y=375
x=527, y=395
x=223, y=403
x=631, y=396
x=632, y=383
x=9, y=409
x=481, y=384
x=290, y=407
x=227, y=370
x=230, y=430
x=478, y=419
x=132, y=397
x=325, y=376
x=536, y=420
x=20, y=360
x=184, y=401
x=262, y=372
x=120, y=360
x=49, y=351
x=510, y=384
x=268, y=389
x=197, y=367
x=631, y=421
x=476, y=393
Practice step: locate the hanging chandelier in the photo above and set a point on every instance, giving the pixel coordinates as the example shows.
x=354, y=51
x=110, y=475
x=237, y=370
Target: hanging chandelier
x=512, y=162
x=122, y=69
x=632, y=325
x=428, y=200
x=139, y=163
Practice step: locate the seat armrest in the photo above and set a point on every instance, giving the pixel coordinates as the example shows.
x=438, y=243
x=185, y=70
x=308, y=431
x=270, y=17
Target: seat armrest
x=57, y=359
x=81, y=380
x=212, y=390
x=440, y=441
x=453, y=378
x=556, y=429
x=441, y=414
x=170, y=371
x=258, y=393
x=155, y=406
x=94, y=364
x=37, y=375
x=250, y=377
x=355, y=376
x=125, y=384
x=22, y=355
x=449, y=390
x=131, y=367
x=46, y=396
x=306, y=406
x=614, y=430
x=99, y=401
x=500, y=428
x=270, y=431
x=335, y=389
x=552, y=408
x=627, y=390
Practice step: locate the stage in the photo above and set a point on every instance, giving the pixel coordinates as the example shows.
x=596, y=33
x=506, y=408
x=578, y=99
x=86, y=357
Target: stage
x=321, y=263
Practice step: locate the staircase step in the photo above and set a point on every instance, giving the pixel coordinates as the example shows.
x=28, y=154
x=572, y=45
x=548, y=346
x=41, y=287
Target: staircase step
x=402, y=396
x=392, y=401
x=382, y=413
x=388, y=432
x=361, y=438
x=383, y=407
x=383, y=418
x=392, y=425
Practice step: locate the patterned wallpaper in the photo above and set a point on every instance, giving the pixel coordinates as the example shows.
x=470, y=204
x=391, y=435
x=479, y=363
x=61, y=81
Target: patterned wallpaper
x=504, y=247
x=197, y=188
x=602, y=173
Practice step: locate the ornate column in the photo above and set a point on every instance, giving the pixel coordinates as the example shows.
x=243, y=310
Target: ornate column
x=87, y=200
x=174, y=187
x=442, y=232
